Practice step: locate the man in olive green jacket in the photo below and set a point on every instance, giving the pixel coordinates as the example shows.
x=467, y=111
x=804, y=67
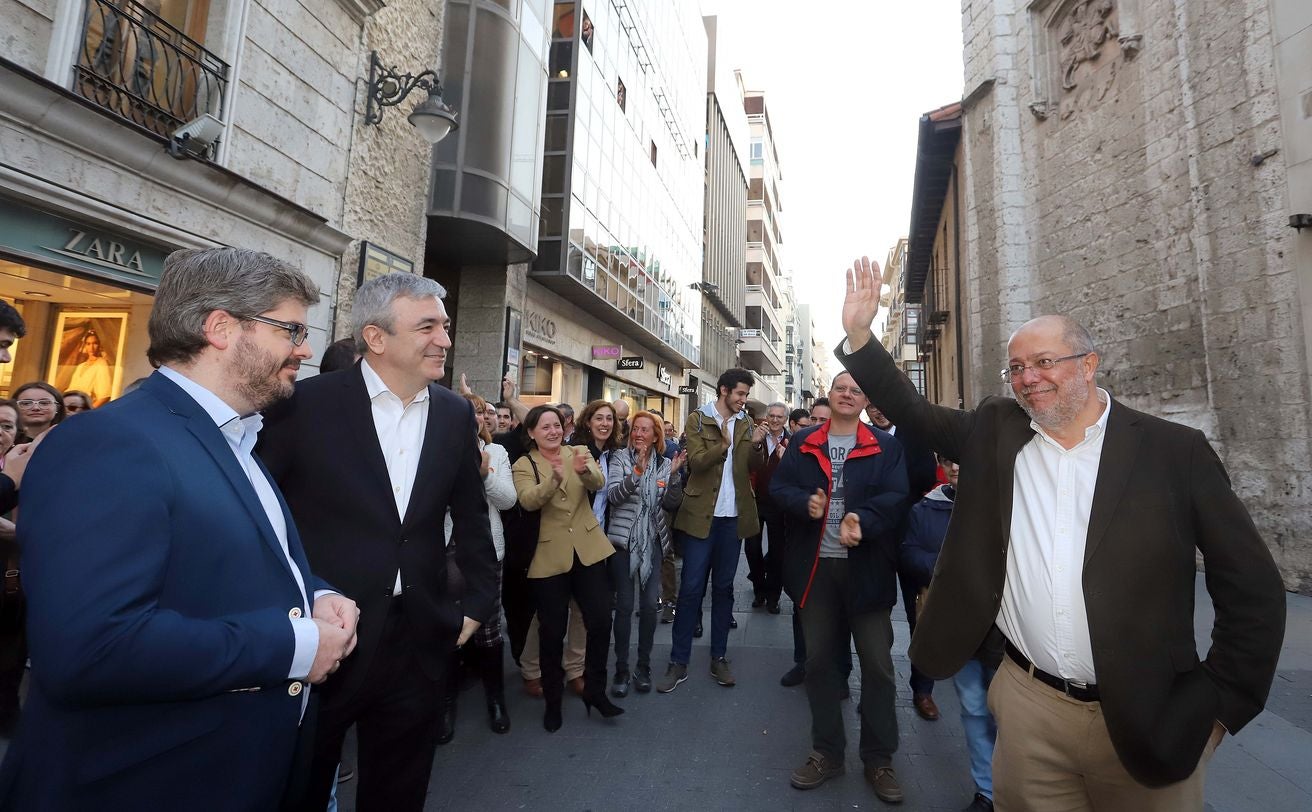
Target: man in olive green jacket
x=718, y=511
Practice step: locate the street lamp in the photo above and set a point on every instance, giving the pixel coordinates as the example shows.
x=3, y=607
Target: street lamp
x=388, y=87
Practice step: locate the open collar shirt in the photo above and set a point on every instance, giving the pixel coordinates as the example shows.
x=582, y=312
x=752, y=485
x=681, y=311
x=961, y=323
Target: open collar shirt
x=241, y=434
x=400, y=428
x=1043, y=612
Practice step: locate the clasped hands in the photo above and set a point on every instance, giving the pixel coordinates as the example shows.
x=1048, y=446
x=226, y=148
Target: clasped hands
x=849, y=530
x=336, y=617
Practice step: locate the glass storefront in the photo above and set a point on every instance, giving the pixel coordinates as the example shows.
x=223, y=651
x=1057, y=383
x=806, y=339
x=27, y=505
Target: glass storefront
x=85, y=296
x=81, y=334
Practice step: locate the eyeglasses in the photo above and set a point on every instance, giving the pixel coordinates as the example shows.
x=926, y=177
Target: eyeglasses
x=1042, y=365
x=71, y=407
x=28, y=404
x=297, y=331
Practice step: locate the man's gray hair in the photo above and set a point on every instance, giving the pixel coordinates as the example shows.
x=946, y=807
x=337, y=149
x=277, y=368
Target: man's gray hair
x=373, y=302
x=1076, y=335
x=197, y=282
x=778, y=403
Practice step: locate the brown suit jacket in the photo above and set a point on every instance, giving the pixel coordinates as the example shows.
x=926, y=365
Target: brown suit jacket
x=568, y=524
x=1161, y=493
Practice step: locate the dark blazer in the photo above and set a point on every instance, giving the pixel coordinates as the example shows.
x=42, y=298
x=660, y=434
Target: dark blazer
x=322, y=447
x=875, y=489
x=158, y=601
x=1161, y=493
x=761, y=478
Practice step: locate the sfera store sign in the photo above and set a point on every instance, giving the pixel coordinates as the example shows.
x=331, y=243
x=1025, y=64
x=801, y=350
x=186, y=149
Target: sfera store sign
x=631, y=362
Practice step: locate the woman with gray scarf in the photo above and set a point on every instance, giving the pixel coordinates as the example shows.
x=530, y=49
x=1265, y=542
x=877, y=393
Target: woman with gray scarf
x=642, y=486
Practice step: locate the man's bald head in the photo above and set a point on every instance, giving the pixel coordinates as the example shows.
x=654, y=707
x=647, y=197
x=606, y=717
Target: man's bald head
x=1070, y=332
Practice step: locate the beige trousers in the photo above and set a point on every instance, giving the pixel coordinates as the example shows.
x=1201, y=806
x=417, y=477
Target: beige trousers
x=1054, y=754
x=575, y=644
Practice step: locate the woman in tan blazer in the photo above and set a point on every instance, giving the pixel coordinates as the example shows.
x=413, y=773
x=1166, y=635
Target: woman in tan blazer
x=554, y=479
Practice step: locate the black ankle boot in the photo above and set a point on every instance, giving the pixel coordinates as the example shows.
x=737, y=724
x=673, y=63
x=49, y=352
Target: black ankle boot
x=446, y=724
x=489, y=664
x=551, y=719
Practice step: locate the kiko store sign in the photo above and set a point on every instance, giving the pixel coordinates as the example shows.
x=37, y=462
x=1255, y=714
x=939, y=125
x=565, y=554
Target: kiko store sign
x=539, y=328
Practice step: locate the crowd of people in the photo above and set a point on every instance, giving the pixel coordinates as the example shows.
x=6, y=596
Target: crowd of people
x=273, y=561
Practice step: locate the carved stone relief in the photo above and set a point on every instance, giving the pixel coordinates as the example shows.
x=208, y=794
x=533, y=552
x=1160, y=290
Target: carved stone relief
x=1088, y=26
x=1081, y=50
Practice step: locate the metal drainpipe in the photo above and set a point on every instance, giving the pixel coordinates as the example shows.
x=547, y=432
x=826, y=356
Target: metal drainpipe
x=956, y=273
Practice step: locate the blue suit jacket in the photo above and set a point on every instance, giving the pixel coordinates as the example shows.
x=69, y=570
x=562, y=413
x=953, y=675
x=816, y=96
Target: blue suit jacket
x=158, y=605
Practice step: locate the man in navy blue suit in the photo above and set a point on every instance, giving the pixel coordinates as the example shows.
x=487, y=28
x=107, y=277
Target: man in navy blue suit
x=174, y=622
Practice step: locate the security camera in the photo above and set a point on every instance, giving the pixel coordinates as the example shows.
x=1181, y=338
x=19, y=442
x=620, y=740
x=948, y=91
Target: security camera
x=195, y=137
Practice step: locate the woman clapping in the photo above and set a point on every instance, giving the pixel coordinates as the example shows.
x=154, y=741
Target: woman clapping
x=570, y=558
x=643, y=486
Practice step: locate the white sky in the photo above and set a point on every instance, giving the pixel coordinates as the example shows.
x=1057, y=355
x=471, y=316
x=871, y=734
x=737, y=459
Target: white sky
x=846, y=82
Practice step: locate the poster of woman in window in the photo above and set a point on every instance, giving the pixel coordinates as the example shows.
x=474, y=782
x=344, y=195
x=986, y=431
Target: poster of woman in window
x=87, y=354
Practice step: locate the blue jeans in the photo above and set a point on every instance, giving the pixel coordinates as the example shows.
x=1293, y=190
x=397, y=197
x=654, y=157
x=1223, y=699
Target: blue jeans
x=972, y=684
x=716, y=554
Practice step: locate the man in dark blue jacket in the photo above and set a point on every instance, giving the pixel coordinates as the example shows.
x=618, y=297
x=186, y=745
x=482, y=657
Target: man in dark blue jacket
x=174, y=621
x=843, y=487
x=927, y=526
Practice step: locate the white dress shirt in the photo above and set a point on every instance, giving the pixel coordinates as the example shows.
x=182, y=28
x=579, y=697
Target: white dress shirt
x=1043, y=612
x=241, y=433
x=726, y=504
x=400, y=427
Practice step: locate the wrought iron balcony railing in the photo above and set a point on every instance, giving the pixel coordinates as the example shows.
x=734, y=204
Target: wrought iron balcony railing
x=138, y=66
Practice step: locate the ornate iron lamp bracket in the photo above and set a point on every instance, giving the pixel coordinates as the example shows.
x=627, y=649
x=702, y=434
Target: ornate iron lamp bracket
x=389, y=87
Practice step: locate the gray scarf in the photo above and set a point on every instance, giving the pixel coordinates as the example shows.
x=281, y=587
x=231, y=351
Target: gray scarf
x=643, y=532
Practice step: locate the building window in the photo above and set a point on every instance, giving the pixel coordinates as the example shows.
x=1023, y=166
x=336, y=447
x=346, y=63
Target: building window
x=653, y=153
x=562, y=56
x=620, y=93
x=137, y=61
x=758, y=151
x=587, y=32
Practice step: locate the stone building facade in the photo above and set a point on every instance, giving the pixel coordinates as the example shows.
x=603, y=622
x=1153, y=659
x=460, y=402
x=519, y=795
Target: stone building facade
x=95, y=93
x=1135, y=163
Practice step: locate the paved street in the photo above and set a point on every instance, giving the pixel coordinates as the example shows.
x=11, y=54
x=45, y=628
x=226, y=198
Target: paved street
x=708, y=747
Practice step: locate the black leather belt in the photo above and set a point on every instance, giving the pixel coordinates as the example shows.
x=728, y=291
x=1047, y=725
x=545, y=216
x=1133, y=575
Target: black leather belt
x=1075, y=690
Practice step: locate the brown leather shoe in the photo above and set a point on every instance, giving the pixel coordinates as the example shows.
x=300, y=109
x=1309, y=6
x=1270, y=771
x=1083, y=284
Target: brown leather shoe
x=885, y=784
x=925, y=707
x=533, y=687
x=576, y=685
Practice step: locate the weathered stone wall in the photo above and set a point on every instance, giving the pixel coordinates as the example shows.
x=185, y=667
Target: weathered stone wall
x=25, y=32
x=295, y=102
x=386, y=188
x=1112, y=176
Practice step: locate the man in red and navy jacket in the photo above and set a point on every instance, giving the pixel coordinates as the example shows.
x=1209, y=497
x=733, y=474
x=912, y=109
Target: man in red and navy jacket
x=843, y=488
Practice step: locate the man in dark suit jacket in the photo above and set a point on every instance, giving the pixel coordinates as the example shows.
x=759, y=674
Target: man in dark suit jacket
x=765, y=569
x=1075, y=530
x=370, y=459
x=174, y=621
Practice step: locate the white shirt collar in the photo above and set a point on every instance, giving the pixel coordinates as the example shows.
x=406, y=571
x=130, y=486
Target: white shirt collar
x=1098, y=428
x=374, y=385
x=240, y=431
